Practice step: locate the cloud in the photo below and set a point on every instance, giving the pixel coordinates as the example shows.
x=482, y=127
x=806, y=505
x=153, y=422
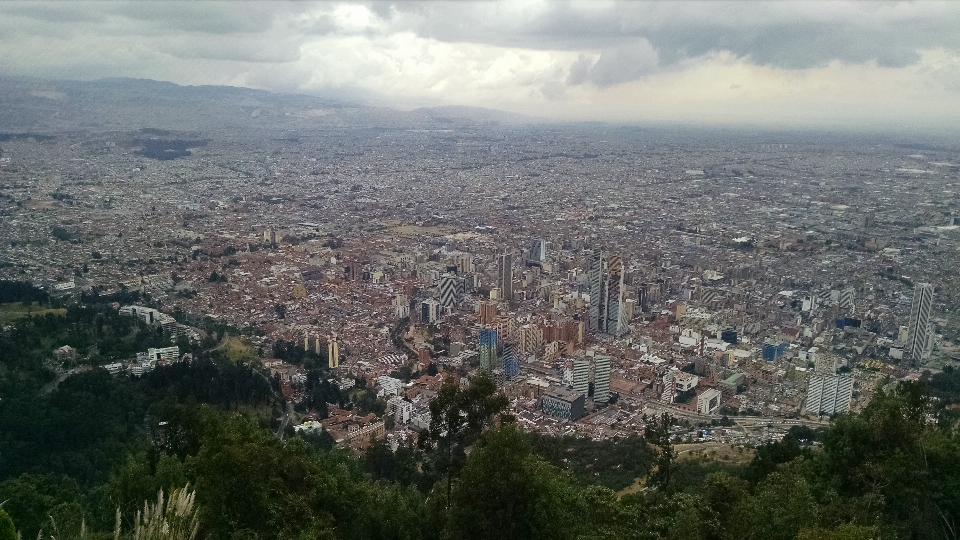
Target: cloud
x=615, y=65
x=713, y=61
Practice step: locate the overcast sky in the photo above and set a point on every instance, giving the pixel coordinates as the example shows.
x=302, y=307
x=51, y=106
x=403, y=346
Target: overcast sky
x=775, y=63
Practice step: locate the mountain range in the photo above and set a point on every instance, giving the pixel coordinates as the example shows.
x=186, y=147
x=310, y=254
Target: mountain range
x=48, y=106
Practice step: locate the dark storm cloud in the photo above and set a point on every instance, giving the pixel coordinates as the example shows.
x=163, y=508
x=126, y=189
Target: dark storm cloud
x=615, y=65
x=631, y=38
x=778, y=34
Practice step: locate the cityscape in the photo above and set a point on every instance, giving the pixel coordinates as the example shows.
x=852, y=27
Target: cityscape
x=479, y=270
x=598, y=274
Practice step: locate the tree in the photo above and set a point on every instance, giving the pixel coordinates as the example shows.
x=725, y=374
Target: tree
x=657, y=433
x=781, y=507
x=507, y=492
x=770, y=456
x=7, y=530
x=458, y=415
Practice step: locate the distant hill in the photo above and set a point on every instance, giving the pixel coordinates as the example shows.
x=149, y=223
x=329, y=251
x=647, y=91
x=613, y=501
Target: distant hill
x=474, y=114
x=44, y=106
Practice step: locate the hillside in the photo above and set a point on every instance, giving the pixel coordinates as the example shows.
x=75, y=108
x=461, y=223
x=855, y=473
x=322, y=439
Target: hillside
x=48, y=106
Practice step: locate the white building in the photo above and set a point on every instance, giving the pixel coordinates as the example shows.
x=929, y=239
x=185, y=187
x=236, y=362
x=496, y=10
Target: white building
x=169, y=354
x=708, y=401
x=400, y=409
x=829, y=393
x=390, y=386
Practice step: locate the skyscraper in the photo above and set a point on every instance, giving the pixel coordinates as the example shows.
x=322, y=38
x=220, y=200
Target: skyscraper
x=847, y=300
x=601, y=379
x=505, y=276
x=829, y=393
x=452, y=290
x=538, y=250
x=529, y=338
x=920, y=338
x=606, y=294
x=488, y=313
x=488, y=349
x=510, y=364
x=581, y=376
x=333, y=353
x=429, y=311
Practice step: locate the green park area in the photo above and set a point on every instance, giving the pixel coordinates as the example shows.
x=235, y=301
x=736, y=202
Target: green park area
x=12, y=311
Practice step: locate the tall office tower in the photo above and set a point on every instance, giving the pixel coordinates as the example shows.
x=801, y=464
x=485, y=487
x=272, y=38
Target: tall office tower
x=538, y=250
x=451, y=290
x=669, y=388
x=488, y=349
x=643, y=297
x=529, y=338
x=510, y=358
x=464, y=262
x=511, y=366
x=601, y=379
x=488, y=313
x=846, y=300
x=581, y=376
x=829, y=393
x=333, y=352
x=920, y=339
x=401, y=306
x=429, y=311
x=505, y=276
x=606, y=294
x=824, y=298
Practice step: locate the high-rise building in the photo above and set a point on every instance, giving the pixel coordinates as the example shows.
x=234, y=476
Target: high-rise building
x=829, y=393
x=509, y=358
x=920, y=338
x=669, y=388
x=488, y=313
x=429, y=311
x=538, y=250
x=401, y=306
x=452, y=289
x=333, y=353
x=601, y=379
x=530, y=338
x=643, y=299
x=488, y=349
x=505, y=276
x=606, y=294
x=581, y=376
x=847, y=299
x=511, y=366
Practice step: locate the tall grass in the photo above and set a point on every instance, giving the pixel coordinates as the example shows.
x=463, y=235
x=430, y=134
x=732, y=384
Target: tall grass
x=172, y=519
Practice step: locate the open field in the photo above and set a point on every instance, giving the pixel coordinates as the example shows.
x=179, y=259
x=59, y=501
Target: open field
x=16, y=310
x=714, y=451
x=238, y=349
